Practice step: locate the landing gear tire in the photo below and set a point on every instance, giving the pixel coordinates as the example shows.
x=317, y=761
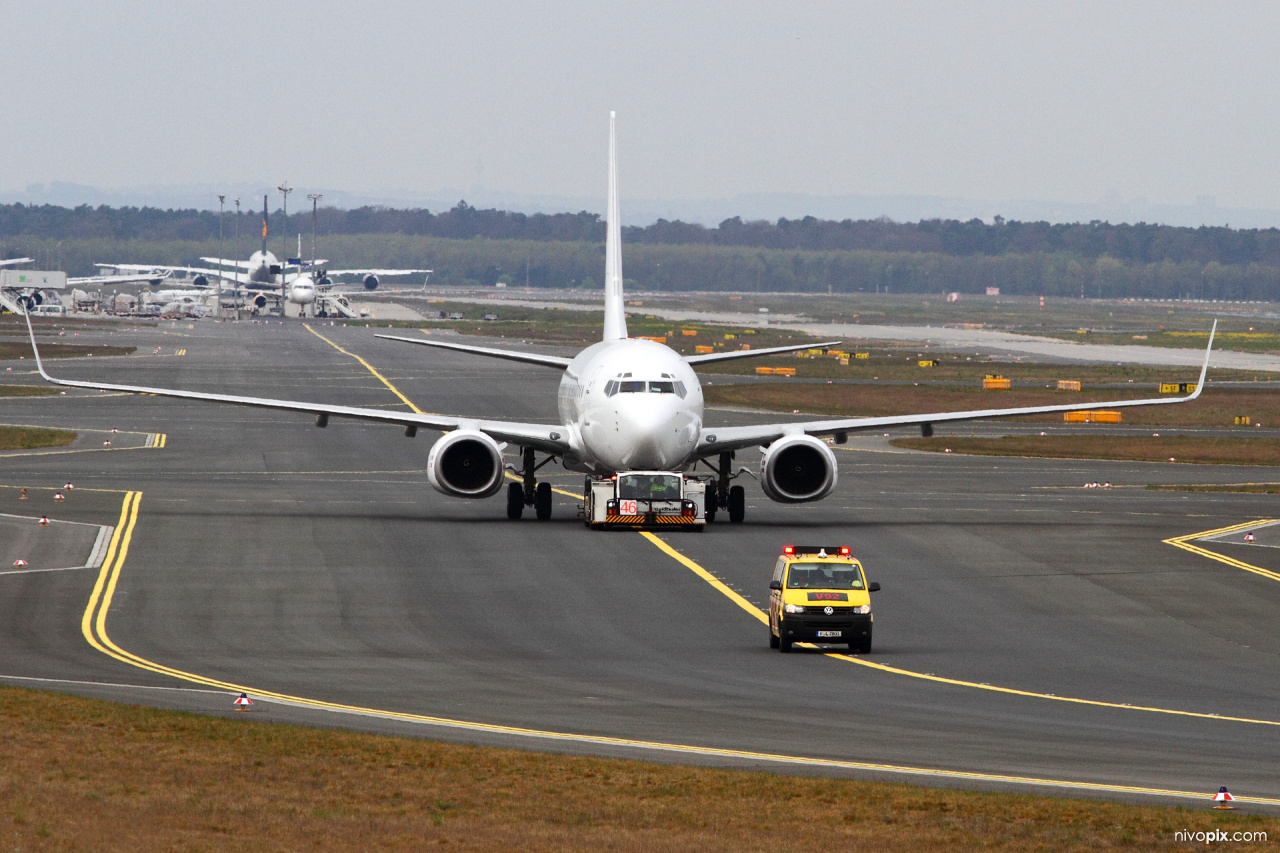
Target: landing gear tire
x=542, y=501
x=773, y=640
x=784, y=646
x=737, y=504
x=712, y=506
x=515, y=501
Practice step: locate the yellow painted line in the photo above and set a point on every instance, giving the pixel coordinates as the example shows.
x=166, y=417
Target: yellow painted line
x=94, y=627
x=182, y=352
x=1184, y=542
x=955, y=682
x=369, y=367
x=575, y=495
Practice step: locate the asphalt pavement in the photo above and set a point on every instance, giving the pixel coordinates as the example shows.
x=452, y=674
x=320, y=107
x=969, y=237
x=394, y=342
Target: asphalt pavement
x=1029, y=628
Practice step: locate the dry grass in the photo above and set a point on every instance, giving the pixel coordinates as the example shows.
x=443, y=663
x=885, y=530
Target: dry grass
x=79, y=774
x=15, y=349
x=1183, y=448
x=1216, y=407
x=26, y=391
x=27, y=438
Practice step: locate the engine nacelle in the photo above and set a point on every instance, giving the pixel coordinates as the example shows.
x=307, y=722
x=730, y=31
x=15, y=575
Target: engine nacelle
x=200, y=280
x=797, y=468
x=371, y=282
x=258, y=301
x=465, y=464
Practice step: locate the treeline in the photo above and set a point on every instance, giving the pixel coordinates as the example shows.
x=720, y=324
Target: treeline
x=700, y=267
x=1130, y=244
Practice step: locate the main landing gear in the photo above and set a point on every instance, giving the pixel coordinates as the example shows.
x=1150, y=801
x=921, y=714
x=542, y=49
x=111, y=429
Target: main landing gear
x=721, y=494
x=529, y=492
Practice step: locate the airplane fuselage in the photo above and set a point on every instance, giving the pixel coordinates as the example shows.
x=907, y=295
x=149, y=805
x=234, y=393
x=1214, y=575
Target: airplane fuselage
x=630, y=405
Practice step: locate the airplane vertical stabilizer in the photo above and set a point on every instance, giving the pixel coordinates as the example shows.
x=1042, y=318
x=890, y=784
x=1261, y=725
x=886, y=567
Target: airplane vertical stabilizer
x=615, y=317
x=264, y=226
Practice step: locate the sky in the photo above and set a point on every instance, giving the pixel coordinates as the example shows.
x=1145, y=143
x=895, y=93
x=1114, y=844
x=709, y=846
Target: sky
x=1118, y=105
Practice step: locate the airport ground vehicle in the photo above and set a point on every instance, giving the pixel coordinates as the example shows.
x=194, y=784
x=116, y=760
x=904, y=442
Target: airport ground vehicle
x=646, y=499
x=819, y=594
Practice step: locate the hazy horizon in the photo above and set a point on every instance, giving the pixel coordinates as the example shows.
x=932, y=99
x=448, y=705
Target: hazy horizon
x=1140, y=111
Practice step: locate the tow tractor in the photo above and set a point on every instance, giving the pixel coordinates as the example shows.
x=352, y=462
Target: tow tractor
x=646, y=499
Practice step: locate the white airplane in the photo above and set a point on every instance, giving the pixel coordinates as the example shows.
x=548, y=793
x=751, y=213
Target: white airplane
x=263, y=277
x=624, y=404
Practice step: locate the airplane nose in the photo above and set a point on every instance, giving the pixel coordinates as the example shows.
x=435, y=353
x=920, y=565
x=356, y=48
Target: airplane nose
x=653, y=434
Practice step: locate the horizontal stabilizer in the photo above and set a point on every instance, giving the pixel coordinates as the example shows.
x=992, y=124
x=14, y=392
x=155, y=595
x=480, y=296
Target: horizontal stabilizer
x=526, y=357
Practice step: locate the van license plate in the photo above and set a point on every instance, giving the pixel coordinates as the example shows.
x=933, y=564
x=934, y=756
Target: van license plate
x=829, y=633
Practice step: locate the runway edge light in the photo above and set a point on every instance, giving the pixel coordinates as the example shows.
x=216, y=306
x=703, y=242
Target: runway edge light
x=19, y=563
x=44, y=521
x=244, y=703
x=1222, y=798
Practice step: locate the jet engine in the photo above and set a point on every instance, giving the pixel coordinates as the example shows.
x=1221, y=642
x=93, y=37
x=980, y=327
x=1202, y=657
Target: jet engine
x=371, y=282
x=465, y=464
x=200, y=281
x=797, y=468
x=258, y=300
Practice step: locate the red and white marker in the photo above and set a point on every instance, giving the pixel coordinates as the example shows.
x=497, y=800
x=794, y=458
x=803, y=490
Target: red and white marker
x=44, y=521
x=244, y=703
x=68, y=487
x=19, y=564
x=59, y=497
x=1222, y=798
x=1248, y=537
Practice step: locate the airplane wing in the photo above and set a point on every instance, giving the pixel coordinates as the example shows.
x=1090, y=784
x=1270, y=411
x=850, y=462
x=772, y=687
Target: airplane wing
x=227, y=262
x=112, y=279
x=735, y=438
x=548, y=438
x=526, y=357
x=13, y=261
x=710, y=357
x=376, y=272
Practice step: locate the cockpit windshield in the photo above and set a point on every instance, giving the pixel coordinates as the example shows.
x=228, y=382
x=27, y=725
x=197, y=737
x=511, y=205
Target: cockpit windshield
x=637, y=386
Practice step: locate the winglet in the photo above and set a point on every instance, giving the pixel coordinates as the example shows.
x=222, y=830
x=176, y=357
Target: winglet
x=615, y=315
x=1205, y=368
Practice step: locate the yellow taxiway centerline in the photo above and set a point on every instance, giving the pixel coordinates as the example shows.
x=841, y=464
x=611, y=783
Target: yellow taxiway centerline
x=763, y=617
x=369, y=367
x=94, y=627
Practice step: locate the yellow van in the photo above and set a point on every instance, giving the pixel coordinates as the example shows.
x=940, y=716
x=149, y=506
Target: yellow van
x=819, y=594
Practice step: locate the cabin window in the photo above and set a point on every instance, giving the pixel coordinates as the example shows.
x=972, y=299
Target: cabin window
x=610, y=388
x=680, y=389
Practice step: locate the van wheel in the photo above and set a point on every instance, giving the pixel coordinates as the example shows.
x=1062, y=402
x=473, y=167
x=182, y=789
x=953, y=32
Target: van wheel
x=861, y=647
x=784, y=646
x=773, y=640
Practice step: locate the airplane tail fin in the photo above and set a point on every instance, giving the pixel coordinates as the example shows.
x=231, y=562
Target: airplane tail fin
x=615, y=317
x=264, y=226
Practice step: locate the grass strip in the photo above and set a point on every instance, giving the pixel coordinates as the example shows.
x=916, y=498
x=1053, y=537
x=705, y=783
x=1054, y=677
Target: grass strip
x=1240, y=488
x=26, y=390
x=1182, y=448
x=27, y=438
x=85, y=774
x=22, y=349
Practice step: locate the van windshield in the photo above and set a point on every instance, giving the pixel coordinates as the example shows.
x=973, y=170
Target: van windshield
x=824, y=576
